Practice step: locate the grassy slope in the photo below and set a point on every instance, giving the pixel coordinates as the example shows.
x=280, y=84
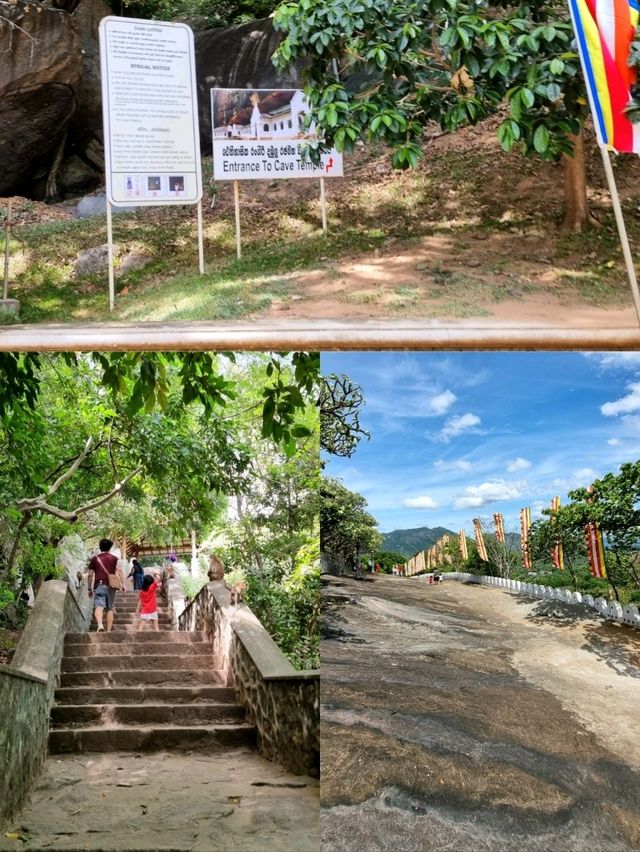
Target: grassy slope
x=474, y=225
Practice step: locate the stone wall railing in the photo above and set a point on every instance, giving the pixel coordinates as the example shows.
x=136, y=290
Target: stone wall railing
x=27, y=687
x=611, y=610
x=282, y=703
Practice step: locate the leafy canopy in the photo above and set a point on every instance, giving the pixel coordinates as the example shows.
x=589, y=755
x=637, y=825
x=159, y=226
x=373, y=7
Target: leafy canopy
x=378, y=71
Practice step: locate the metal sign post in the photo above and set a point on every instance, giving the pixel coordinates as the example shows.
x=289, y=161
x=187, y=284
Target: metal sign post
x=236, y=201
x=112, y=285
x=323, y=205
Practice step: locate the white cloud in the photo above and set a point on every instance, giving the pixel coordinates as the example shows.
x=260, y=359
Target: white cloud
x=441, y=403
x=625, y=405
x=518, y=464
x=616, y=360
x=456, y=426
x=458, y=464
x=475, y=496
x=423, y=502
x=614, y=442
x=579, y=479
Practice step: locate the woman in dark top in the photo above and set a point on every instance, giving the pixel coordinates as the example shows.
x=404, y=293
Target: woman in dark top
x=137, y=572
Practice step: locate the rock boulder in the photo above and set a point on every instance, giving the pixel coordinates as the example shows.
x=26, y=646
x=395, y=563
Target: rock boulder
x=39, y=81
x=236, y=58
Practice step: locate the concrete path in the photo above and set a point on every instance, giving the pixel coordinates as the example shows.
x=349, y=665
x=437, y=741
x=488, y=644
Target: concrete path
x=231, y=802
x=469, y=719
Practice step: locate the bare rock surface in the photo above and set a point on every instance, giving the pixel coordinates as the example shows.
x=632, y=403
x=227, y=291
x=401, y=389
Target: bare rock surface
x=465, y=718
x=232, y=802
x=39, y=80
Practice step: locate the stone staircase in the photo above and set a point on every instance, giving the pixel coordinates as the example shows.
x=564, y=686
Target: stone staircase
x=147, y=691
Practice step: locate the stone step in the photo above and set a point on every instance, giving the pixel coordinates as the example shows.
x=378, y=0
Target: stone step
x=210, y=713
x=141, y=694
x=152, y=738
x=131, y=606
x=132, y=627
x=159, y=648
x=120, y=621
x=159, y=677
x=173, y=636
x=132, y=662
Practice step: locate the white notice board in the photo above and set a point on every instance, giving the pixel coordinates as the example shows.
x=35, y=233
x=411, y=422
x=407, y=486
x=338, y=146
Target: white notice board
x=258, y=134
x=150, y=112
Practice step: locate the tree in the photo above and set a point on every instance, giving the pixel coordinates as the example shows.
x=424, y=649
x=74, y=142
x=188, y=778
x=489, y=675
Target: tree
x=561, y=527
x=450, y=63
x=613, y=503
x=347, y=530
x=78, y=432
x=387, y=560
x=340, y=404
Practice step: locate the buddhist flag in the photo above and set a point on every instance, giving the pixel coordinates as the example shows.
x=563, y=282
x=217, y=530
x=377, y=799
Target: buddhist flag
x=482, y=550
x=595, y=551
x=604, y=31
x=525, y=526
x=462, y=545
x=498, y=520
x=557, y=554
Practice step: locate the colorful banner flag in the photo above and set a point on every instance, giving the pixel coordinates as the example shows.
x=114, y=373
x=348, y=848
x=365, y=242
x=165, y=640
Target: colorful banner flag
x=604, y=31
x=462, y=545
x=482, y=550
x=557, y=553
x=498, y=521
x=595, y=551
x=525, y=526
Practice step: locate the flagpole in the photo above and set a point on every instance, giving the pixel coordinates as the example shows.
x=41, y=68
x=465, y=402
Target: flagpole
x=622, y=231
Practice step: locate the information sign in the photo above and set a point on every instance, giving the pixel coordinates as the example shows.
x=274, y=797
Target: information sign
x=259, y=134
x=150, y=109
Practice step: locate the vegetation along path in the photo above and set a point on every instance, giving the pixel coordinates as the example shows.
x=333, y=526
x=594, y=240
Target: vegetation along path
x=459, y=717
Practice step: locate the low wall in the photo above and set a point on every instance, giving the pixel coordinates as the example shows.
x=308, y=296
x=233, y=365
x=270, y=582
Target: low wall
x=27, y=687
x=282, y=703
x=611, y=610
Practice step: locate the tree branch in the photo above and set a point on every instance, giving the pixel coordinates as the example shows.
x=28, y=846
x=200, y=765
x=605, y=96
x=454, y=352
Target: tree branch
x=69, y=473
x=39, y=504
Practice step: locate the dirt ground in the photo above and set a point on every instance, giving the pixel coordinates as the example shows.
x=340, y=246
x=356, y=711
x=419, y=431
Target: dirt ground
x=465, y=718
x=228, y=802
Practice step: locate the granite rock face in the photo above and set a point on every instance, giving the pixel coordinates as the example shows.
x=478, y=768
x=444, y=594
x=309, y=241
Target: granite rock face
x=39, y=82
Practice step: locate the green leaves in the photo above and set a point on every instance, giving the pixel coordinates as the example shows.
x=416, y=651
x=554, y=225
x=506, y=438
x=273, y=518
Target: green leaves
x=541, y=139
x=452, y=62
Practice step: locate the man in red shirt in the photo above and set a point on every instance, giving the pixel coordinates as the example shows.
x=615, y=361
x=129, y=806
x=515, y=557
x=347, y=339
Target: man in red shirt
x=100, y=568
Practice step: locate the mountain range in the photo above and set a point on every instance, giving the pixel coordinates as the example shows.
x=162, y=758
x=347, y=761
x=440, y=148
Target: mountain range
x=409, y=542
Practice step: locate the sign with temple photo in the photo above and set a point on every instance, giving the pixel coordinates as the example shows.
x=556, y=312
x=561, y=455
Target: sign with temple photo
x=259, y=134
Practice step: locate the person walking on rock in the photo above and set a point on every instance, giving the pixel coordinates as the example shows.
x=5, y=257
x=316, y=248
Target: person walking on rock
x=147, y=609
x=104, y=580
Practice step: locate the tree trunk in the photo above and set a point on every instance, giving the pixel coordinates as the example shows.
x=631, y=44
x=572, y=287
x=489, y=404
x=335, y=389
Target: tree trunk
x=576, y=206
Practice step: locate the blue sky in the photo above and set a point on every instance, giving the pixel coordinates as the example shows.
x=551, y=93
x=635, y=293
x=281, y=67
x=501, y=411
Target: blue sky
x=461, y=435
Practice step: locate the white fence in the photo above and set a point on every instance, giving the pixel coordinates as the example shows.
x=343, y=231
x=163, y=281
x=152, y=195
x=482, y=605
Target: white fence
x=611, y=610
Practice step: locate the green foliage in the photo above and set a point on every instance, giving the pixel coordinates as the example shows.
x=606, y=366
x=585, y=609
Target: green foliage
x=436, y=61
x=340, y=405
x=211, y=13
x=192, y=585
x=347, y=530
x=387, y=559
x=288, y=607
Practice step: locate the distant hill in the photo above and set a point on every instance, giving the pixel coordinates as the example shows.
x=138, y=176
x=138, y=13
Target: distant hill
x=409, y=542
